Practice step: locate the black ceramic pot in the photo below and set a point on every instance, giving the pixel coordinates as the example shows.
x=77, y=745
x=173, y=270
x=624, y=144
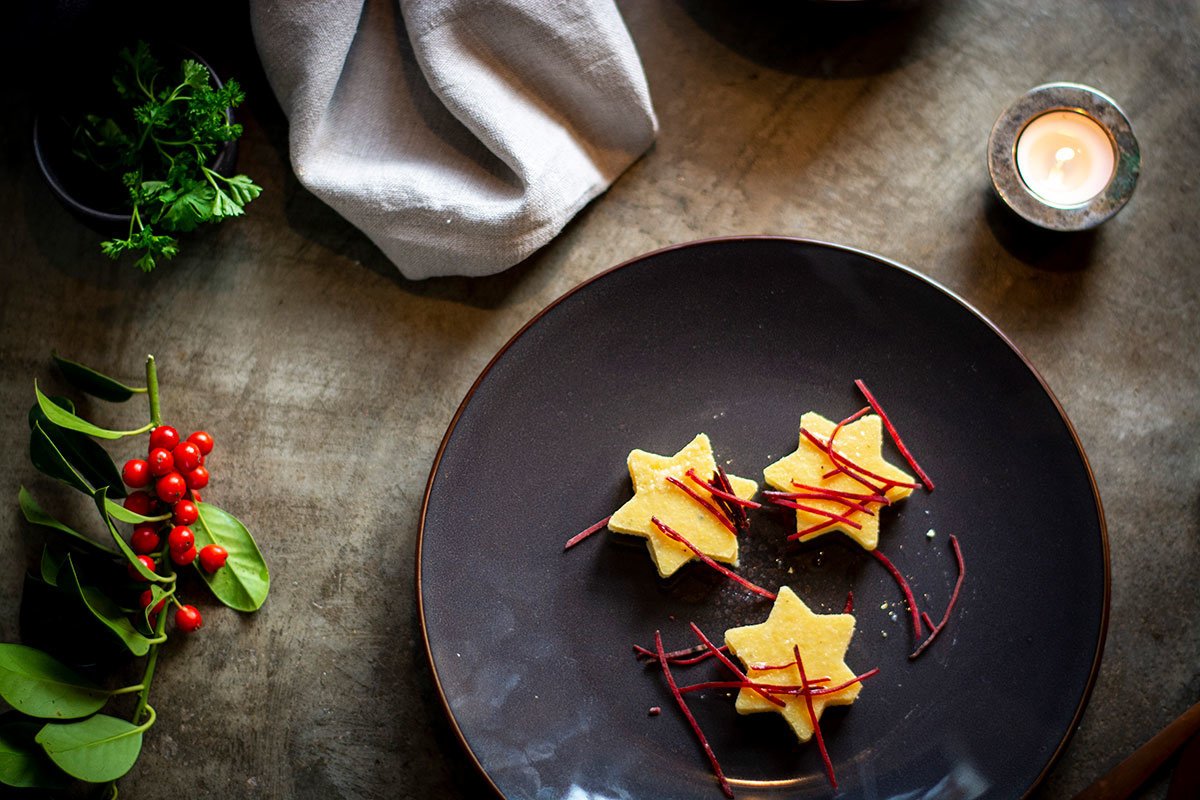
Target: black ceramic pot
x=94, y=197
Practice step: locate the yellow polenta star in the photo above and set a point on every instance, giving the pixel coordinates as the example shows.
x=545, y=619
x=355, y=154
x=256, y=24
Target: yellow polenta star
x=860, y=442
x=822, y=639
x=655, y=496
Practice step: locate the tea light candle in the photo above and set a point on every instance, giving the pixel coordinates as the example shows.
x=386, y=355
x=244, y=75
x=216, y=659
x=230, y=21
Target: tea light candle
x=1064, y=157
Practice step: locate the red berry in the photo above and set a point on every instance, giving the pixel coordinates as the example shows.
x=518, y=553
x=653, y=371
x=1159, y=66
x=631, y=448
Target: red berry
x=185, y=512
x=164, y=436
x=144, y=538
x=197, y=478
x=181, y=539
x=170, y=488
x=187, y=456
x=139, y=503
x=203, y=441
x=136, y=473
x=195, y=496
x=161, y=461
x=148, y=597
x=187, y=619
x=212, y=557
x=147, y=562
x=185, y=557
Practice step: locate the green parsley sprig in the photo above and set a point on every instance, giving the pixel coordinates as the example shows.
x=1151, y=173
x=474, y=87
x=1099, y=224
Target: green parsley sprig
x=161, y=148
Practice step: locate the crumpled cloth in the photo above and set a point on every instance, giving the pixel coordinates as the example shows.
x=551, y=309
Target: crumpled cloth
x=459, y=135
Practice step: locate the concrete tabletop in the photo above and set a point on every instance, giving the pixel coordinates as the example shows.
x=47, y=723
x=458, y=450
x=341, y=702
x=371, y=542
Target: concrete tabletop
x=328, y=380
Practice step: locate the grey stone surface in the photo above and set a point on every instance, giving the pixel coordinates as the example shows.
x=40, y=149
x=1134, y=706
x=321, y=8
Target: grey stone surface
x=329, y=381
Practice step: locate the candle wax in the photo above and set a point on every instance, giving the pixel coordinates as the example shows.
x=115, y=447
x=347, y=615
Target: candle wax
x=1065, y=157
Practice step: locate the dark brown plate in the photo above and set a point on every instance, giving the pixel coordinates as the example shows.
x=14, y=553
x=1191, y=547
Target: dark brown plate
x=531, y=646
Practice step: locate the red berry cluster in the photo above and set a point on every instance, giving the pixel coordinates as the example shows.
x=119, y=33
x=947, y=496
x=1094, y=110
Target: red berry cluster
x=170, y=477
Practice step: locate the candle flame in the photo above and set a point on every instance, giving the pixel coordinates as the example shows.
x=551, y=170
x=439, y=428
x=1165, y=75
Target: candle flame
x=1056, y=175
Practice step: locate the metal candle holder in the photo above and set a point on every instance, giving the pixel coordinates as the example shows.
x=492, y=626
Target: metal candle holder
x=1012, y=189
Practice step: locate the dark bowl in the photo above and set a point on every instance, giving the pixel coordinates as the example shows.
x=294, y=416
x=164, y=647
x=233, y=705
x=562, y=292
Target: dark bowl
x=94, y=197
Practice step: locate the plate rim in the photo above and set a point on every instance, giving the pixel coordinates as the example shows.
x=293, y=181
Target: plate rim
x=1101, y=639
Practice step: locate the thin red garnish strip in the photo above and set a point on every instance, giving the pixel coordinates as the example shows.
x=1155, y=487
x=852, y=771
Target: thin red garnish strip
x=849, y=602
x=891, y=429
x=821, y=512
x=668, y=532
x=839, y=494
x=722, y=491
x=812, y=715
x=586, y=532
x=712, y=757
x=908, y=593
x=918, y=616
x=729, y=665
x=709, y=507
x=847, y=466
x=962, y=570
x=788, y=498
x=689, y=655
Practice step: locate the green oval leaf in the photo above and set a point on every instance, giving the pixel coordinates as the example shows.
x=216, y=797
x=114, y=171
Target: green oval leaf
x=22, y=762
x=50, y=566
x=83, y=453
x=102, y=608
x=48, y=460
x=65, y=419
x=243, y=582
x=97, y=749
x=33, y=513
x=40, y=685
x=102, y=504
x=94, y=383
x=125, y=515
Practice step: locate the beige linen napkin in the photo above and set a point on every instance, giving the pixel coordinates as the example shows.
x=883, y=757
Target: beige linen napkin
x=459, y=135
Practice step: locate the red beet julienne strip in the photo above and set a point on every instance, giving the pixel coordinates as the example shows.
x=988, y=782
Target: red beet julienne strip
x=849, y=602
x=820, y=512
x=848, y=467
x=667, y=531
x=689, y=655
x=724, y=520
x=729, y=502
x=891, y=429
x=579, y=537
x=812, y=715
x=962, y=570
x=729, y=665
x=833, y=435
x=712, y=757
x=782, y=688
x=838, y=467
x=882, y=499
x=828, y=498
x=738, y=506
x=856, y=679
x=811, y=530
x=908, y=595
x=722, y=492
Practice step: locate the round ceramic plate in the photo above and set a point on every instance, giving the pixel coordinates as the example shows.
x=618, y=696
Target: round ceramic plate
x=532, y=646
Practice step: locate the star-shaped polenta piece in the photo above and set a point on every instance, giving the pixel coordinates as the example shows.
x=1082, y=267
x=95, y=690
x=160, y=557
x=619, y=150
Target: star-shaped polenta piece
x=822, y=639
x=655, y=496
x=859, y=441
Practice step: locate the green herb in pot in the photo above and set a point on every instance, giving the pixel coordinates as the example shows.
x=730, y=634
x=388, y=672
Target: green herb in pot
x=162, y=147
